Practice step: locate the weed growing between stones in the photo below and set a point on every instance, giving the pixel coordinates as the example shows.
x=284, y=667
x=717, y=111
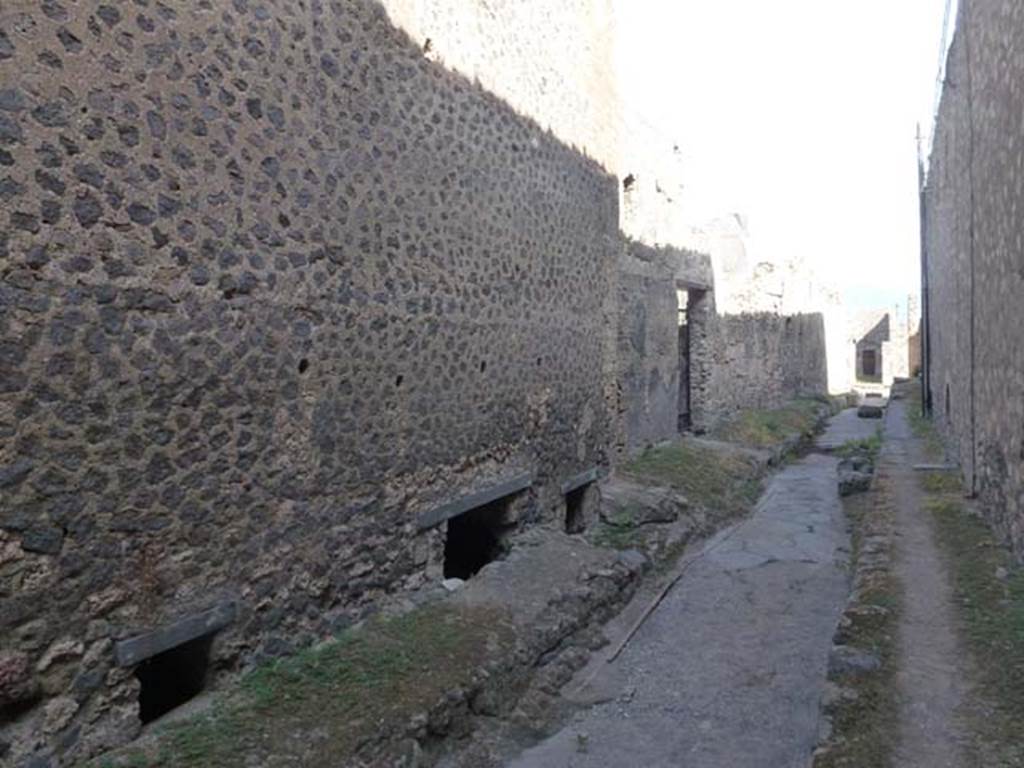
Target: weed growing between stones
x=337, y=701
x=861, y=702
x=989, y=589
x=722, y=483
x=767, y=428
x=869, y=447
x=923, y=428
x=719, y=484
x=621, y=531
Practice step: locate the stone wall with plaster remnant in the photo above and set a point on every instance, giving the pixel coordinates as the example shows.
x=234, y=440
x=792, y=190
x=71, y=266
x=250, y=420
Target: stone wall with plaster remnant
x=771, y=331
x=736, y=361
x=275, y=285
x=746, y=285
x=973, y=241
x=762, y=360
x=648, y=354
x=648, y=351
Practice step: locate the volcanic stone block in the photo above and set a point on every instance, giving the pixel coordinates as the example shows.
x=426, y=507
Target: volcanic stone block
x=871, y=411
x=473, y=500
x=627, y=502
x=129, y=652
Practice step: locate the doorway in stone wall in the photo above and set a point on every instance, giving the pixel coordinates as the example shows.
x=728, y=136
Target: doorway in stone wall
x=685, y=418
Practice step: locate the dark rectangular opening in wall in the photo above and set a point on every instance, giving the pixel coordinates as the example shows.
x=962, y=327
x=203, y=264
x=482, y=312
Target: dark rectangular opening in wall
x=869, y=363
x=575, y=514
x=685, y=419
x=475, y=538
x=171, y=678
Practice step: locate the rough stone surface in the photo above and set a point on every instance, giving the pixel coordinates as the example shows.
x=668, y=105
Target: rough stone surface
x=640, y=504
x=852, y=481
x=762, y=360
x=648, y=344
x=844, y=660
x=858, y=464
x=867, y=411
x=274, y=282
x=736, y=360
x=754, y=614
x=974, y=350
x=278, y=278
x=855, y=475
x=453, y=585
x=845, y=427
x=16, y=681
x=634, y=560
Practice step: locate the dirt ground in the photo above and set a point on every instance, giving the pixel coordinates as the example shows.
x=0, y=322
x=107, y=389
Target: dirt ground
x=932, y=673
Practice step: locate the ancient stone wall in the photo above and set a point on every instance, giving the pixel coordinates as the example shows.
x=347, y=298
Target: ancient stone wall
x=777, y=285
x=648, y=351
x=762, y=360
x=896, y=351
x=754, y=341
x=975, y=273
x=275, y=286
x=554, y=62
x=914, y=354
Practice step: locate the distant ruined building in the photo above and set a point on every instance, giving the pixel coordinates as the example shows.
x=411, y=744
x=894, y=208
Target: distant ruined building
x=973, y=262
x=885, y=347
x=756, y=296
x=307, y=304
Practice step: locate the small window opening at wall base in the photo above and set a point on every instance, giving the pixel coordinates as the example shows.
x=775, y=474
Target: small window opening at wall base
x=575, y=509
x=172, y=678
x=476, y=538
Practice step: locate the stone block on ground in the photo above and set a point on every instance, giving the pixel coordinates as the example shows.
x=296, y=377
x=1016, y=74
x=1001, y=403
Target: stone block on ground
x=857, y=464
x=624, y=500
x=846, y=660
x=855, y=474
x=867, y=411
x=852, y=481
x=634, y=560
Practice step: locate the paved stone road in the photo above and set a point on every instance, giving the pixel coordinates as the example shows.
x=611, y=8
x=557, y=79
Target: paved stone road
x=729, y=671
x=845, y=427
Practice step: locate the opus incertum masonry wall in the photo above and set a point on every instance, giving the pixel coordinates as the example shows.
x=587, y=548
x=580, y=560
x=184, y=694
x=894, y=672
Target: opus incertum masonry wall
x=275, y=287
x=974, y=277
x=282, y=293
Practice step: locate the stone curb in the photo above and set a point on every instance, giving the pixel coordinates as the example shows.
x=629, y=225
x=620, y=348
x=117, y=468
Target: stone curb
x=846, y=662
x=545, y=656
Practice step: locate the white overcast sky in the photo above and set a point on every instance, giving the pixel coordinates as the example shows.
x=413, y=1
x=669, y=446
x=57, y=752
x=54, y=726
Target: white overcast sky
x=800, y=114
